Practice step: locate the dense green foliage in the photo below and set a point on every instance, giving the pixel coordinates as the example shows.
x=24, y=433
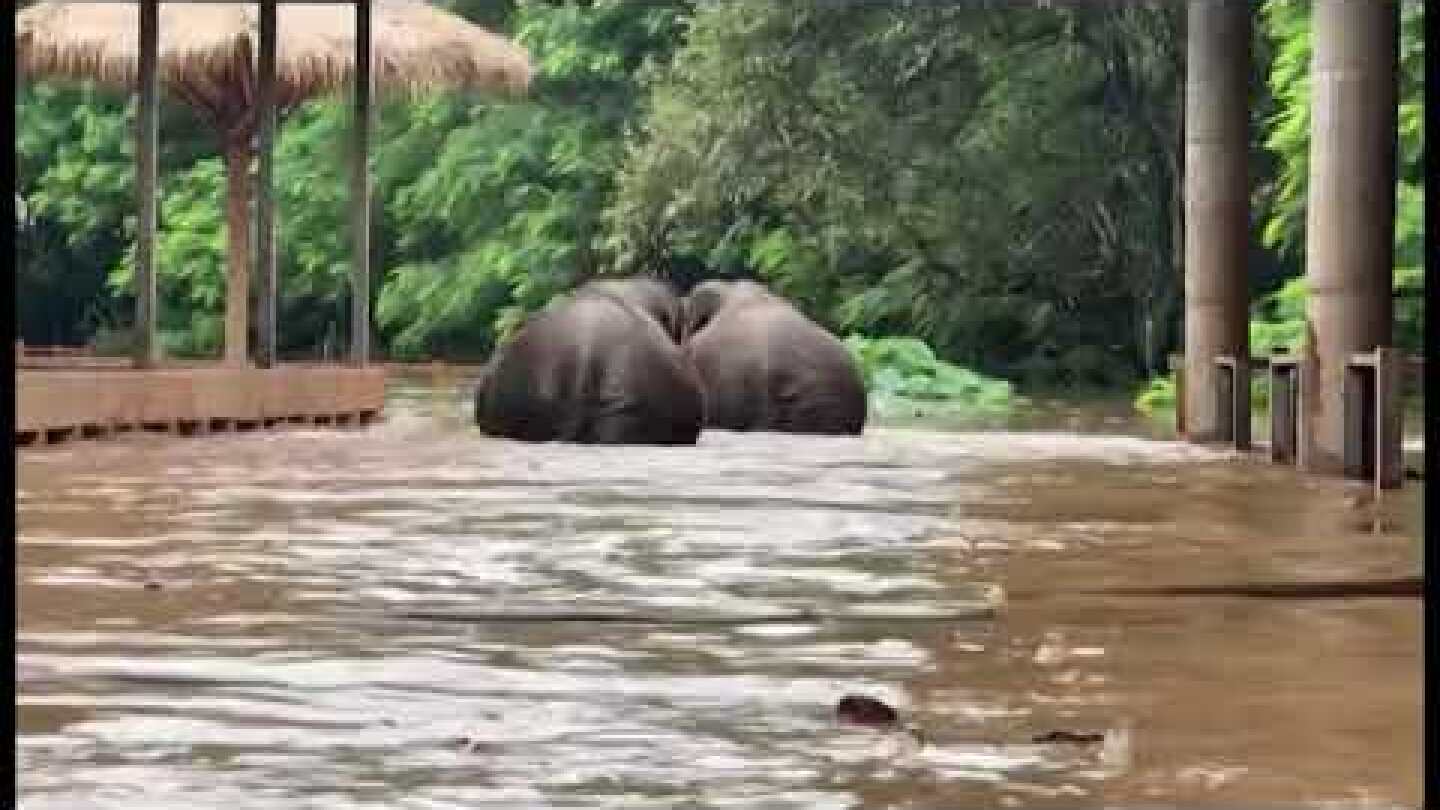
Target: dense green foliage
x=1280, y=316
x=997, y=181
x=905, y=378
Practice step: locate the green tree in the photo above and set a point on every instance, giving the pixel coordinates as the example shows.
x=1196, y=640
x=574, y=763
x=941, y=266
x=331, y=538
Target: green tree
x=999, y=181
x=1279, y=317
x=501, y=213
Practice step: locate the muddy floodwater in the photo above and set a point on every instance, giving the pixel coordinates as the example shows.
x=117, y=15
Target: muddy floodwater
x=231, y=622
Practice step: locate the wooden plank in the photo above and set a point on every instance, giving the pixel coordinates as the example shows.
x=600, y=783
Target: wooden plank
x=55, y=400
x=265, y=193
x=360, y=190
x=147, y=343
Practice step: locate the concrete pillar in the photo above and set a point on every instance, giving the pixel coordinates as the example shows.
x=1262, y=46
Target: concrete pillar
x=1351, y=209
x=1217, y=202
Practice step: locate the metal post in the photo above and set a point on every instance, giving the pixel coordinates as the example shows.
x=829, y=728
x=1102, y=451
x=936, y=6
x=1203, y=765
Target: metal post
x=147, y=127
x=360, y=191
x=1351, y=208
x=265, y=191
x=1217, y=202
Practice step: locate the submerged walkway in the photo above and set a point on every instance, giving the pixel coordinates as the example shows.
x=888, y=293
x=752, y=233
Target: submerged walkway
x=56, y=404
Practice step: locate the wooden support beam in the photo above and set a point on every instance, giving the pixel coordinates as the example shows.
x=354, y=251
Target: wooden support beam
x=1389, y=418
x=1177, y=367
x=1232, y=400
x=1358, y=456
x=1284, y=376
x=265, y=192
x=360, y=190
x=147, y=344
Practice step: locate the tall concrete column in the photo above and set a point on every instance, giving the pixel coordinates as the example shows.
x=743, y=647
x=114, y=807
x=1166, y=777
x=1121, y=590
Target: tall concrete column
x=1217, y=201
x=1351, y=208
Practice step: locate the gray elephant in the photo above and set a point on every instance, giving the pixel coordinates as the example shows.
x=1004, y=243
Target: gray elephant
x=602, y=366
x=763, y=365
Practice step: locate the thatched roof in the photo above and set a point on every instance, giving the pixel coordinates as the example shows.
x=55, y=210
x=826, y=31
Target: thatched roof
x=208, y=50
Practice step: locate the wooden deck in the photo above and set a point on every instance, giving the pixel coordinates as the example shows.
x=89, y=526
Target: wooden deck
x=56, y=404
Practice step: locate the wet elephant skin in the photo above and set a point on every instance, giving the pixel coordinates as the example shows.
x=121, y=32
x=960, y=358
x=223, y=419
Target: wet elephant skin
x=599, y=367
x=764, y=366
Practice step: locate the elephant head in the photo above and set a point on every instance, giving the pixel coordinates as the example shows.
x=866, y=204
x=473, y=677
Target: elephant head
x=651, y=296
x=709, y=297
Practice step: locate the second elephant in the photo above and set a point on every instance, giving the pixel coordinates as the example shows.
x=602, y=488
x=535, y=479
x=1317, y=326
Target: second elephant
x=763, y=365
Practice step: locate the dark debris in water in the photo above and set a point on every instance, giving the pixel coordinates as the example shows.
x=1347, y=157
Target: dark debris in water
x=859, y=710
x=1079, y=737
x=467, y=745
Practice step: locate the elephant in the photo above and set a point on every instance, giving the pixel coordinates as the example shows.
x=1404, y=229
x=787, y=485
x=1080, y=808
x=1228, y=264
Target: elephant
x=763, y=365
x=601, y=366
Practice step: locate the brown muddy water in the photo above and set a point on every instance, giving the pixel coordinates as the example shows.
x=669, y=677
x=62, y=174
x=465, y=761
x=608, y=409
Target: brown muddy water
x=219, y=622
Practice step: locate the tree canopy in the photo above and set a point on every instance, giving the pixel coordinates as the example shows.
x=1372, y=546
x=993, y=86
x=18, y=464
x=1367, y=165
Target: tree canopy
x=999, y=181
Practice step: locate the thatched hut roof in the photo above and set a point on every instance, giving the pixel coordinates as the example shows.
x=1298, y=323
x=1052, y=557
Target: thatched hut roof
x=207, y=49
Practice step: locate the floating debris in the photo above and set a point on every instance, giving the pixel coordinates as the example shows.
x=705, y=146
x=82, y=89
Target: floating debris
x=1080, y=737
x=859, y=710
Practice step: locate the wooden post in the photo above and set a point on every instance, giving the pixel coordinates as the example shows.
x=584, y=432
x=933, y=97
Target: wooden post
x=1358, y=451
x=1217, y=202
x=1389, y=418
x=1224, y=391
x=1351, y=208
x=360, y=191
x=147, y=345
x=1177, y=367
x=1240, y=402
x=1284, y=386
x=265, y=191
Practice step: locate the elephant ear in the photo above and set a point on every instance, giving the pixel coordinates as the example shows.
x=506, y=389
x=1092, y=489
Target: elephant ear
x=701, y=305
x=709, y=297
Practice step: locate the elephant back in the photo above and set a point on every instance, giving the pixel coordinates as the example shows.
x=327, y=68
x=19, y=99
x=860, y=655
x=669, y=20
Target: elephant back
x=709, y=298
x=650, y=297
x=595, y=367
x=765, y=366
